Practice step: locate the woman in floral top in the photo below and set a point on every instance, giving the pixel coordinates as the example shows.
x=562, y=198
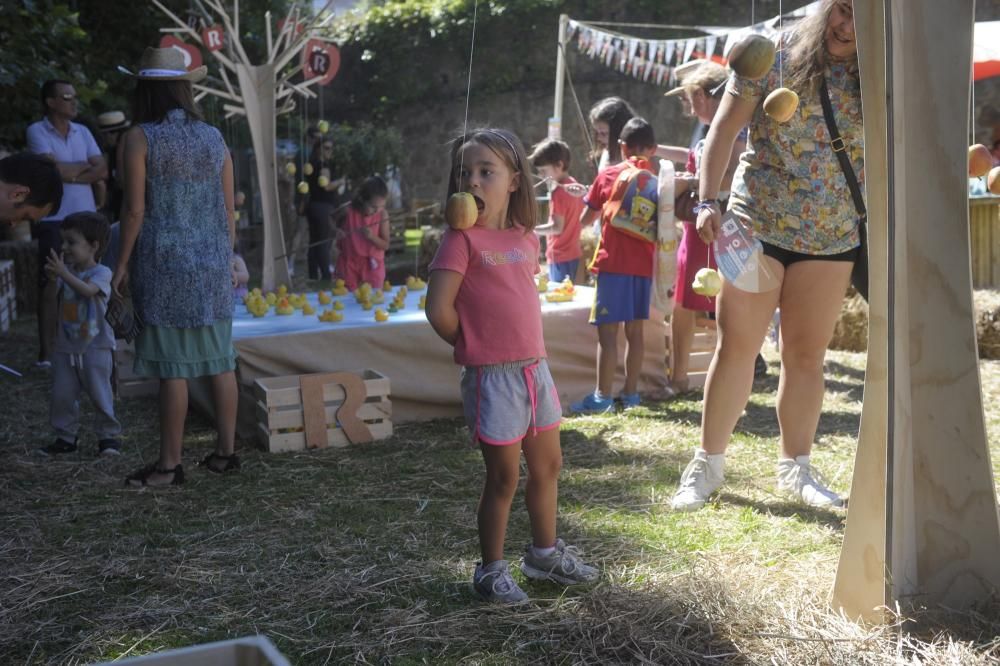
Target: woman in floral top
x=792, y=192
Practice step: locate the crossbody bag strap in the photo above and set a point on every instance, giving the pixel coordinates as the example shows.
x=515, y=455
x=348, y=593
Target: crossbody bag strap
x=840, y=150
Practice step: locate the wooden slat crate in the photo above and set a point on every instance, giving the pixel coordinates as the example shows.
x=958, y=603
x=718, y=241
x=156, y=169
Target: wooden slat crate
x=281, y=421
x=8, y=295
x=128, y=384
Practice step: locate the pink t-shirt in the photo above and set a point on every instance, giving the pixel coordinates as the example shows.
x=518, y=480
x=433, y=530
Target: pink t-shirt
x=565, y=246
x=353, y=244
x=498, y=309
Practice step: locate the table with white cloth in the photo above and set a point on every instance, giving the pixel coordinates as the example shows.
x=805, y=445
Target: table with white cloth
x=420, y=366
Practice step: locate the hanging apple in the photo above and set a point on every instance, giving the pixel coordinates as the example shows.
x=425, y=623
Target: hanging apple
x=303, y=187
x=752, y=57
x=290, y=168
x=323, y=127
x=461, y=211
x=781, y=104
x=307, y=169
x=980, y=160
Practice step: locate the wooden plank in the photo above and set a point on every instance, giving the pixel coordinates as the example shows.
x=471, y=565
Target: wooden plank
x=335, y=437
x=284, y=391
x=277, y=419
x=860, y=587
x=945, y=545
x=925, y=531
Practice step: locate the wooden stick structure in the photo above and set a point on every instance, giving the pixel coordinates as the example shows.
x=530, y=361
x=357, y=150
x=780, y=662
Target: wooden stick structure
x=261, y=95
x=922, y=526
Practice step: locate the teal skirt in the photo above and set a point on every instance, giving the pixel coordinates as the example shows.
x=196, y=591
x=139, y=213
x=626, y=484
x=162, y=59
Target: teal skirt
x=185, y=353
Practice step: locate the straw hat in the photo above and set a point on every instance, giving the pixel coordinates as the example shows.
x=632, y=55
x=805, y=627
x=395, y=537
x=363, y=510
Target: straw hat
x=112, y=121
x=165, y=64
x=705, y=74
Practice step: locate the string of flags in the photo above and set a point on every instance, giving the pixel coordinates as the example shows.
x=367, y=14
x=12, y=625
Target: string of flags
x=655, y=60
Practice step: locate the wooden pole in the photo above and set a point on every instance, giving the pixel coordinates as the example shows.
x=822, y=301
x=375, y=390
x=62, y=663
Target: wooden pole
x=560, y=77
x=922, y=526
x=257, y=86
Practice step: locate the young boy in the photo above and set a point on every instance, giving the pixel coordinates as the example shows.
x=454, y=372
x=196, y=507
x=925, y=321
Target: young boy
x=83, y=355
x=562, y=252
x=623, y=264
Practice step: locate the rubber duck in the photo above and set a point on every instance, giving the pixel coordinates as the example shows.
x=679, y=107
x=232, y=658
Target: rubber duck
x=381, y=315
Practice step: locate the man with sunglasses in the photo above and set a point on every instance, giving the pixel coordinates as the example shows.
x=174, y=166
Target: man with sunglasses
x=81, y=164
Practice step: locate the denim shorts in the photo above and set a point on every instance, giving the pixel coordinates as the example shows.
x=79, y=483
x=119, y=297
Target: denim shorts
x=504, y=403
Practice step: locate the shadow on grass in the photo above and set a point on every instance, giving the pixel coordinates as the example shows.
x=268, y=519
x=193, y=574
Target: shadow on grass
x=788, y=509
x=761, y=421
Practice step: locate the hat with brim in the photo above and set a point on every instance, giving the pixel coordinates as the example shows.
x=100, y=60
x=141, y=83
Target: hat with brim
x=166, y=64
x=112, y=121
x=688, y=70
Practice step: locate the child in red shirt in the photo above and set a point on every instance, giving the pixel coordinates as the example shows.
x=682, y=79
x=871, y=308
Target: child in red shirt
x=481, y=299
x=364, y=236
x=562, y=253
x=624, y=267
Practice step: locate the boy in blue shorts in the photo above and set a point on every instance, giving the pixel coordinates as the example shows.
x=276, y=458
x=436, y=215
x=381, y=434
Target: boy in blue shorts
x=624, y=195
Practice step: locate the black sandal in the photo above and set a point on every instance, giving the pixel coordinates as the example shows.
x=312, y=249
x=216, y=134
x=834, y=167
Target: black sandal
x=142, y=476
x=232, y=463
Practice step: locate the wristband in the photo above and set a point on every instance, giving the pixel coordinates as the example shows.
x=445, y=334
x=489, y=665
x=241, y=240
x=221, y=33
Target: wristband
x=705, y=204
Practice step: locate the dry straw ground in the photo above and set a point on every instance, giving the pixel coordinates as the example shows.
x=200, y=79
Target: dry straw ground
x=364, y=555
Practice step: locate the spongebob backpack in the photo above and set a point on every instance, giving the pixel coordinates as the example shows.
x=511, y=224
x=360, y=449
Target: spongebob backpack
x=631, y=207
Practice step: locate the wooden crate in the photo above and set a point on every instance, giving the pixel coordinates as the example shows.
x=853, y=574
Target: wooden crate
x=281, y=420
x=127, y=383
x=8, y=295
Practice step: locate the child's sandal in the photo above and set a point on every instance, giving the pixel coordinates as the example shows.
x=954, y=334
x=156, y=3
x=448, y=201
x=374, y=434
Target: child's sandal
x=232, y=463
x=140, y=478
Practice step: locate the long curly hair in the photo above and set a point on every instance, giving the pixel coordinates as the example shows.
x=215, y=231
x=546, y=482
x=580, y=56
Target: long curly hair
x=805, y=55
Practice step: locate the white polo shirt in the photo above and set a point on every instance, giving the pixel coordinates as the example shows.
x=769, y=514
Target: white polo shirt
x=77, y=146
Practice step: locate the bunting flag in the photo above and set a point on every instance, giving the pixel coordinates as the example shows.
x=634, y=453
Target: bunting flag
x=654, y=60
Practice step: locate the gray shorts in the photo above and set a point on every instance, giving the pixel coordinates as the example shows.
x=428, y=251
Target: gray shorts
x=503, y=403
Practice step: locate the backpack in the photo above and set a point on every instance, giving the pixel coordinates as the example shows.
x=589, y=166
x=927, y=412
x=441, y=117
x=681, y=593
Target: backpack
x=632, y=206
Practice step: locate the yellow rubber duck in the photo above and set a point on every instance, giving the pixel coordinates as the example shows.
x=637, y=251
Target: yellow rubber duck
x=283, y=307
x=543, y=283
x=339, y=291
x=366, y=305
x=271, y=298
x=386, y=286
x=307, y=309
x=381, y=315
x=282, y=290
x=337, y=305
x=378, y=296
x=423, y=301
x=324, y=298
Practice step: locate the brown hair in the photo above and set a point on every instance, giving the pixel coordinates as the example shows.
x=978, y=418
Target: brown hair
x=549, y=152
x=804, y=47
x=93, y=227
x=615, y=112
x=153, y=99
x=522, y=210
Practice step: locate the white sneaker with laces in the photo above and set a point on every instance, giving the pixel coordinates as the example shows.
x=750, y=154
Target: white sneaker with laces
x=702, y=477
x=797, y=477
x=493, y=582
x=564, y=565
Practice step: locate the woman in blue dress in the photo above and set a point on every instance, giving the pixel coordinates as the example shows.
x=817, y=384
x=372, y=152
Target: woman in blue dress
x=176, y=248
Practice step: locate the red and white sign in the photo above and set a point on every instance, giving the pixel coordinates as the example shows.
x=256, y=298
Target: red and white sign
x=320, y=59
x=213, y=37
x=192, y=56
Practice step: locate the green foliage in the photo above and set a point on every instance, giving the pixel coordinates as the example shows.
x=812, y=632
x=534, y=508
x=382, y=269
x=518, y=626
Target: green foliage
x=363, y=149
x=40, y=40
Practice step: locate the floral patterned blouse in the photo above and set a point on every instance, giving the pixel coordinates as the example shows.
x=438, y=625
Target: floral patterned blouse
x=180, y=269
x=789, y=185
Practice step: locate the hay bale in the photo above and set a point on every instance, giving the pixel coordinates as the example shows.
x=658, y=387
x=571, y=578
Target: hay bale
x=987, y=306
x=851, y=330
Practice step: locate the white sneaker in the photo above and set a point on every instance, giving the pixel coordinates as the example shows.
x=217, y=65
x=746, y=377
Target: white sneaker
x=702, y=477
x=801, y=479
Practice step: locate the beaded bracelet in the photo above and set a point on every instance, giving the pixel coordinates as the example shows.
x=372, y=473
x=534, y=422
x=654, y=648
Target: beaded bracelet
x=705, y=204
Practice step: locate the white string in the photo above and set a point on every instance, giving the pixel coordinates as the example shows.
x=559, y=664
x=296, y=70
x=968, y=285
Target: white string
x=753, y=12
x=468, y=89
x=781, y=61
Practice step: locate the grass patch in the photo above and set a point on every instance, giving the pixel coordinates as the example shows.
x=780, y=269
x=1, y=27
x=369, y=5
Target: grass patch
x=365, y=554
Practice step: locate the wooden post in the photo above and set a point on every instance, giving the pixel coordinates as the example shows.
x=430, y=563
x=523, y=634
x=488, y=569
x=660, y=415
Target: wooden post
x=922, y=526
x=257, y=85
